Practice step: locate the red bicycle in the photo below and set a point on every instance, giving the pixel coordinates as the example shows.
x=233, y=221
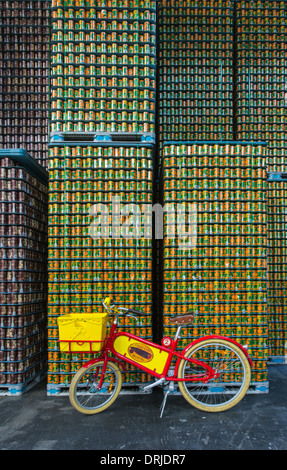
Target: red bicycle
x=213, y=372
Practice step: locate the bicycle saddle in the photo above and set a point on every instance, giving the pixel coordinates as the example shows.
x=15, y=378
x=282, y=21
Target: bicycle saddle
x=182, y=319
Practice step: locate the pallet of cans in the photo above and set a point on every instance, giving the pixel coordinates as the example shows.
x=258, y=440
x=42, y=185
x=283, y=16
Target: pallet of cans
x=260, y=114
x=24, y=65
x=261, y=75
x=277, y=270
x=91, y=258
x=103, y=67
x=23, y=271
x=220, y=272
x=195, y=70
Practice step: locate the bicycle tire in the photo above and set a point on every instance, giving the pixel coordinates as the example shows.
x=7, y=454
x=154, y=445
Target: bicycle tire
x=76, y=388
x=228, y=393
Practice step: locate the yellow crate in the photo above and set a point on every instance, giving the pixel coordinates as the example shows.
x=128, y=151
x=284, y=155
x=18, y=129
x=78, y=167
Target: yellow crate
x=82, y=333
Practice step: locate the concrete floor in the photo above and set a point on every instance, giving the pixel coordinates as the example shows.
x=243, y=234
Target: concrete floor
x=35, y=421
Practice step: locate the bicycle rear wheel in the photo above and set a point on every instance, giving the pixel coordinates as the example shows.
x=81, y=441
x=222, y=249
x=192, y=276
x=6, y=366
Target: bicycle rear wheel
x=84, y=394
x=229, y=388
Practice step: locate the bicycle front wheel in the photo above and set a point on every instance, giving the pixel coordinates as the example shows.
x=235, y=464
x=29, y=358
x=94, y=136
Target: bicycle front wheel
x=221, y=393
x=84, y=392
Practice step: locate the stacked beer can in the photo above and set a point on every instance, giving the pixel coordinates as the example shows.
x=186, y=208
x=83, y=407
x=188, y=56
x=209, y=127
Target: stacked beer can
x=103, y=66
x=24, y=65
x=23, y=272
x=277, y=275
x=217, y=266
x=87, y=260
x=195, y=70
x=261, y=76
x=260, y=114
x=102, y=117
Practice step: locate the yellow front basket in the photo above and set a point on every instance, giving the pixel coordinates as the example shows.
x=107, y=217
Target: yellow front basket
x=83, y=333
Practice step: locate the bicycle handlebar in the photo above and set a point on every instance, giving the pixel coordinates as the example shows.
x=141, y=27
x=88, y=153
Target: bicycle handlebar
x=123, y=309
x=136, y=312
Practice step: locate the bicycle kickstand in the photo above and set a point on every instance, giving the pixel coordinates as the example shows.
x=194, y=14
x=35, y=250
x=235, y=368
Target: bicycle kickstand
x=162, y=406
x=161, y=382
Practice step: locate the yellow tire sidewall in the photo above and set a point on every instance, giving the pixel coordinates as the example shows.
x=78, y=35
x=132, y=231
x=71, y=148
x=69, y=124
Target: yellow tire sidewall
x=219, y=407
x=78, y=376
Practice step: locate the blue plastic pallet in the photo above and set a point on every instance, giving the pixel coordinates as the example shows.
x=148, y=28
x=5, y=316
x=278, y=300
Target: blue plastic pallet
x=127, y=389
x=87, y=137
x=277, y=176
x=255, y=387
x=277, y=360
x=18, y=389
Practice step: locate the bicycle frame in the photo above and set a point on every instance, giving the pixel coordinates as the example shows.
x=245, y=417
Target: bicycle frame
x=169, y=353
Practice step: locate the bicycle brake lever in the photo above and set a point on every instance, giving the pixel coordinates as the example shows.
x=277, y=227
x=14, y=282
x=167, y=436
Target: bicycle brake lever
x=132, y=316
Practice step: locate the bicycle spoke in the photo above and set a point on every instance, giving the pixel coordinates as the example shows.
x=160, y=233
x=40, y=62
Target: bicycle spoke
x=87, y=392
x=230, y=372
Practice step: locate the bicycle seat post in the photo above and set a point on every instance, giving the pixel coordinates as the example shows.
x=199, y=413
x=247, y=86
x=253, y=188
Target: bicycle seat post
x=177, y=334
